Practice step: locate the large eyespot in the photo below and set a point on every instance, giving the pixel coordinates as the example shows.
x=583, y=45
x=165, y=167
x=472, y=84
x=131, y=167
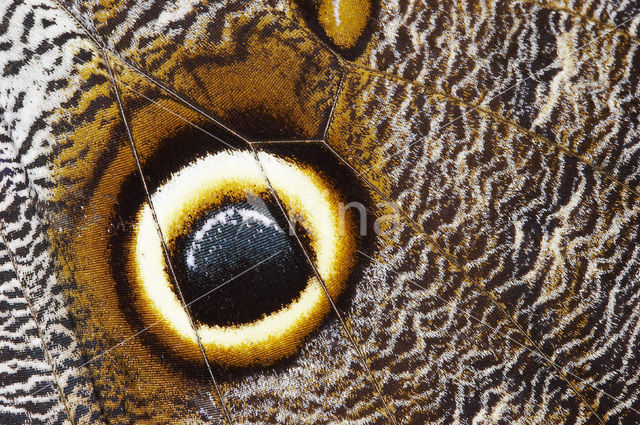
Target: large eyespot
x=249, y=287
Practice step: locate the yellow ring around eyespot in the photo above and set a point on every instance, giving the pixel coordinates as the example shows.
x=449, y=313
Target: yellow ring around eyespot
x=203, y=185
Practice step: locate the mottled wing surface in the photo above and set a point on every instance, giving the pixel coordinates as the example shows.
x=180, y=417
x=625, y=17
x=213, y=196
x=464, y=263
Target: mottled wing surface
x=498, y=143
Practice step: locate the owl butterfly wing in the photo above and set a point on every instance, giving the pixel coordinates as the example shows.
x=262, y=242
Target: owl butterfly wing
x=495, y=143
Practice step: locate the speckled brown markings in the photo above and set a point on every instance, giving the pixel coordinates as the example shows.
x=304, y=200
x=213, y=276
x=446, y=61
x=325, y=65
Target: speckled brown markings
x=543, y=232
x=567, y=87
x=448, y=352
x=510, y=295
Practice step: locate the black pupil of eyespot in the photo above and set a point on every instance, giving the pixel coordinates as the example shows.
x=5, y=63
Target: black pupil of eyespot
x=249, y=265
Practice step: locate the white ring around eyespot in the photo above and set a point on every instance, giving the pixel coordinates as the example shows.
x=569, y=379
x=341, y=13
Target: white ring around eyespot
x=204, y=184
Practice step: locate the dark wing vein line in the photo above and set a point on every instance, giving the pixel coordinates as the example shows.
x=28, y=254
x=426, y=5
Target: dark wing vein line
x=356, y=346
x=162, y=240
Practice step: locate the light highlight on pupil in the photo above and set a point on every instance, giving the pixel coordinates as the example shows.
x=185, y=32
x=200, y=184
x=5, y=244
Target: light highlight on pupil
x=228, y=242
x=216, y=231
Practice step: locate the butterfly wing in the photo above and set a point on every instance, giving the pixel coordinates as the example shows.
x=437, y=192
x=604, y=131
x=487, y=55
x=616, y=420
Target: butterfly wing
x=493, y=147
